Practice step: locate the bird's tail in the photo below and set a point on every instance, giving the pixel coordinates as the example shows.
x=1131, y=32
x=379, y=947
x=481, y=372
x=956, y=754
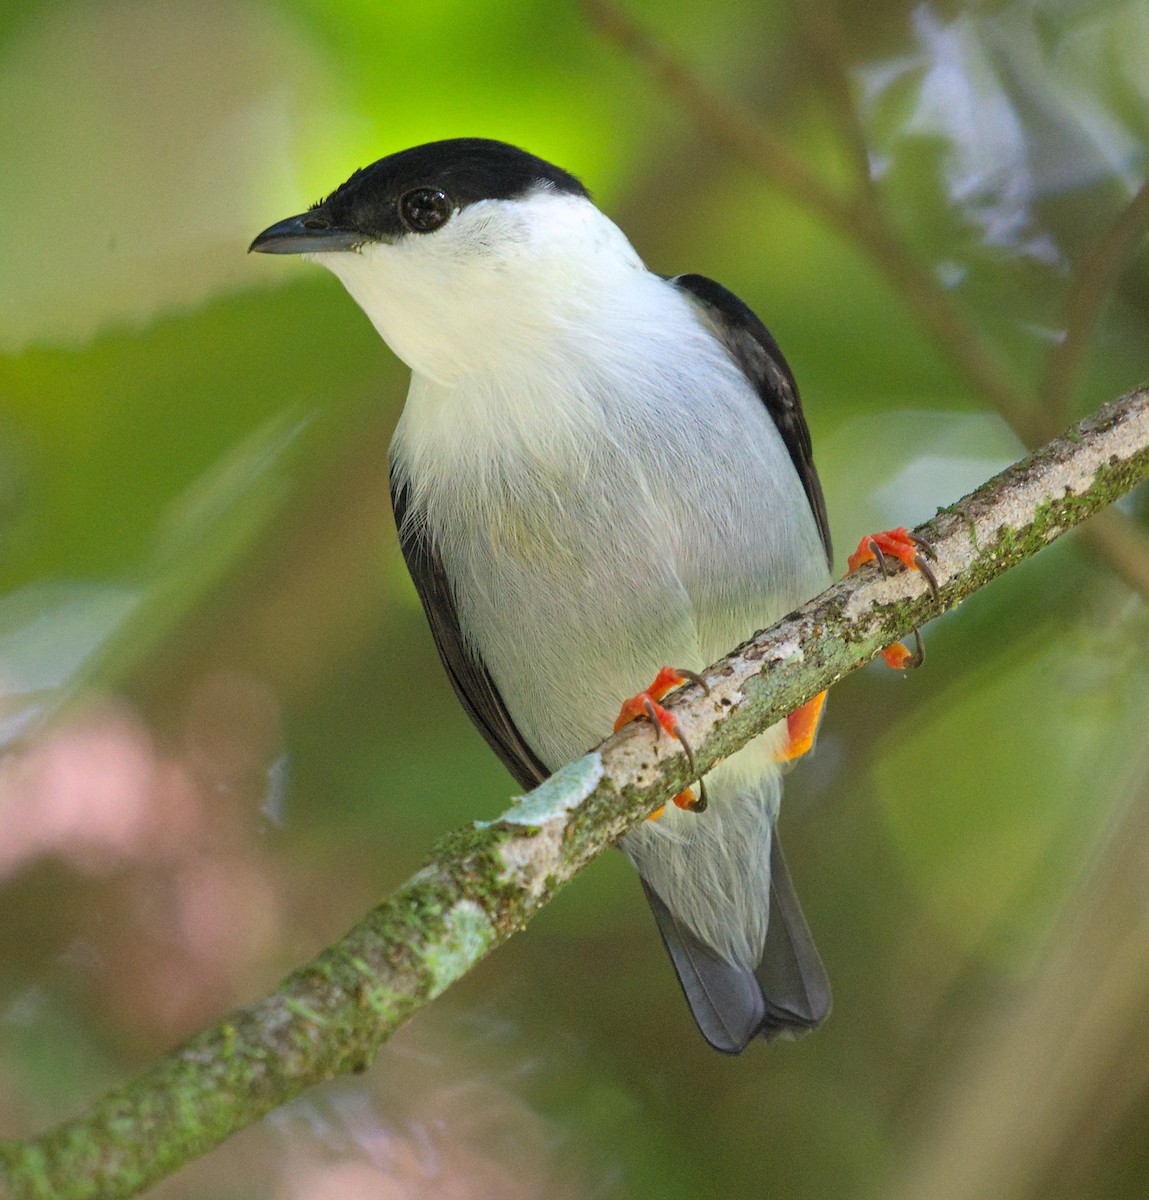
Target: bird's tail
x=721, y=893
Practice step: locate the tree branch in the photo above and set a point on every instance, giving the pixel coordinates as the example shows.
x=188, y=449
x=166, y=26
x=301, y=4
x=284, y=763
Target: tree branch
x=483, y=883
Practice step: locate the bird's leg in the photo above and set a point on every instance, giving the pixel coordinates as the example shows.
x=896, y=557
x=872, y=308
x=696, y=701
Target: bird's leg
x=914, y=552
x=645, y=706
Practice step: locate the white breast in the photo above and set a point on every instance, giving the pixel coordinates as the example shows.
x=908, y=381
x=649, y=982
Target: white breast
x=621, y=503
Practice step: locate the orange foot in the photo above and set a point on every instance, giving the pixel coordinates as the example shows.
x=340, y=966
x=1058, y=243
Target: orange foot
x=801, y=726
x=913, y=551
x=646, y=706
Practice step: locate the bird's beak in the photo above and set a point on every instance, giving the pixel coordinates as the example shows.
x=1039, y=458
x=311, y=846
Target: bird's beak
x=305, y=234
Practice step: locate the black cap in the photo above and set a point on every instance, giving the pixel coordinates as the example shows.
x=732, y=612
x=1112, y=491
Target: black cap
x=366, y=207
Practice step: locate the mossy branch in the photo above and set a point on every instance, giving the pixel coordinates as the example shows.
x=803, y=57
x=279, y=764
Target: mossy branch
x=483, y=883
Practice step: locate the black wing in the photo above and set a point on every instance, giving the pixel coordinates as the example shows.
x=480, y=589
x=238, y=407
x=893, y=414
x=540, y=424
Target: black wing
x=469, y=677
x=756, y=352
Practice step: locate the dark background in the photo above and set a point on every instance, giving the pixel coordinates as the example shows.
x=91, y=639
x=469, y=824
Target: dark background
x=227, y=732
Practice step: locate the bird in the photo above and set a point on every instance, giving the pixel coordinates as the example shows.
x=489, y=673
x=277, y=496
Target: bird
x=600, y=474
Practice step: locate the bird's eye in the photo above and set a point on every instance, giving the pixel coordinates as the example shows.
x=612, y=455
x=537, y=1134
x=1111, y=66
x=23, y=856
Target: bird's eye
x=424, y=209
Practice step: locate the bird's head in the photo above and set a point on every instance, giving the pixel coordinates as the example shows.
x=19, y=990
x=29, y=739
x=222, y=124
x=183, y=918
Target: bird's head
x=463, y=253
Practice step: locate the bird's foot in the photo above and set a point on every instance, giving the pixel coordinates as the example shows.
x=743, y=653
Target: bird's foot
x=645, y=706
x=915, y=552
x=801, y=726
x=900, y=544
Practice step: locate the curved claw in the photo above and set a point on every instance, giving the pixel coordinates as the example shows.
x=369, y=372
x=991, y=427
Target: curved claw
x=688, y=801
x=900, y=659
x=657, y=715
x=880, y=558
x=928, y=572
x=924, y=545
x=918, y=562
x=693, y=677
x=688, y=750
x=919, y=652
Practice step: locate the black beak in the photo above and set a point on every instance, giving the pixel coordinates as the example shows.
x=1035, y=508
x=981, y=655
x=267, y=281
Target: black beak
x=305, y=234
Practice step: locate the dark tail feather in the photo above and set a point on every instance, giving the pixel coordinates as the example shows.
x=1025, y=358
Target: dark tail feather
x=795, y=986
x=788, y=994
x=726, y=1001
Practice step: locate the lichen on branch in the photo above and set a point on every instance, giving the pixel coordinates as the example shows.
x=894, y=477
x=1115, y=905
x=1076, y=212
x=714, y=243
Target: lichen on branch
x=483, y=883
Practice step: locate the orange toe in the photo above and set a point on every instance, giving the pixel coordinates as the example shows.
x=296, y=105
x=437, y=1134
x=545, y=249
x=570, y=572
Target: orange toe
x=892, y=543
x=897, y=656
x=801, y=727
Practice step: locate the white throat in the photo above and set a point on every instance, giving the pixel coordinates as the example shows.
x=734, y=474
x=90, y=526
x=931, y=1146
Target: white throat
x=496, y=288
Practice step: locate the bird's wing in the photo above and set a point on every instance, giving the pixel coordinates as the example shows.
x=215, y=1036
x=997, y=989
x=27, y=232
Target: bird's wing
x=469, y=677
x=753, y=348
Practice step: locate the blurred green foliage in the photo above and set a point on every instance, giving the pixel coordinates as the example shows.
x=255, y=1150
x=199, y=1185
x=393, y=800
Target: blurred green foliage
x=226, y=728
